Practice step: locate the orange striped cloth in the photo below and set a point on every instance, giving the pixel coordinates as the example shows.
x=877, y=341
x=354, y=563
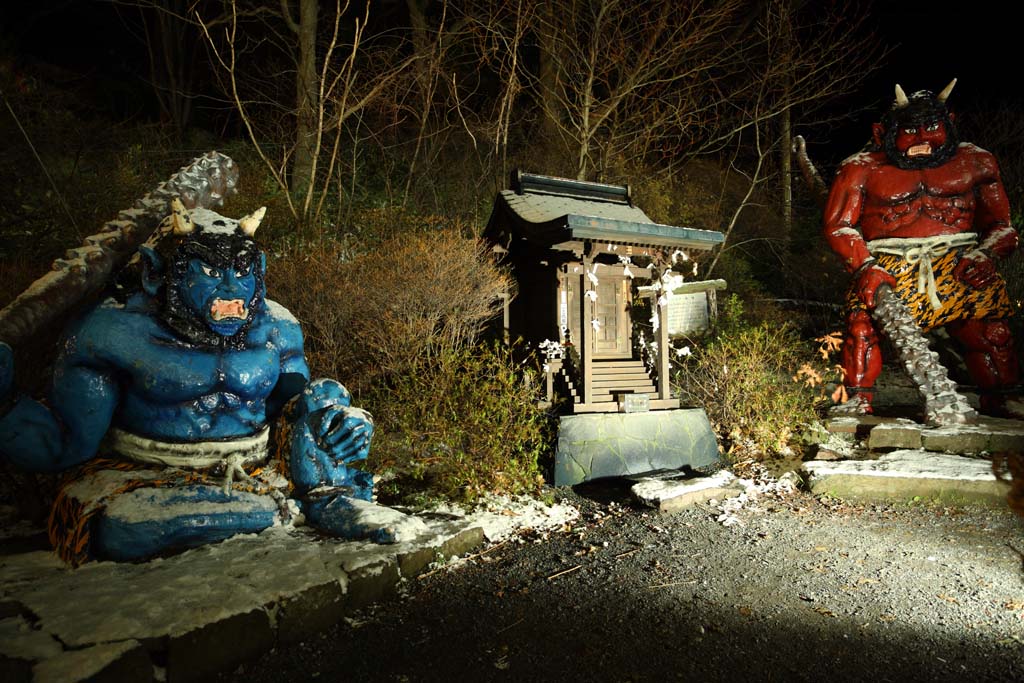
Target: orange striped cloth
x=959, y=301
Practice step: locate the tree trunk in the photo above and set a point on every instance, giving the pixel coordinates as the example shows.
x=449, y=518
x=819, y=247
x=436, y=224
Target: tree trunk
x=785, y=124
x=306, y=99
x=548, y=76
x=423, y=70
x=786, y=154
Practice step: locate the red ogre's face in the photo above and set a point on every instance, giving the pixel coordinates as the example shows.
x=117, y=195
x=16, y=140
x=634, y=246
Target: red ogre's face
x=921, y=141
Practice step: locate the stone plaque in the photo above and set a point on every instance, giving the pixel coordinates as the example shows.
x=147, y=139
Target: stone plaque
x=688, y=313
x=634, y=403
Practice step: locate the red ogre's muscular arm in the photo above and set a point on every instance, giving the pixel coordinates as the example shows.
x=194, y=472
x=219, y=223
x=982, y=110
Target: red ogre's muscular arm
x=997, y=238
x=992, y=217
x=842, y=217
x=843, y=211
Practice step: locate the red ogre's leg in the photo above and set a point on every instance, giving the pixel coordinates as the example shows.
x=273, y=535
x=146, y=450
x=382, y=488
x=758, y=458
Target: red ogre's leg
x=862, y=358
x=990, y=357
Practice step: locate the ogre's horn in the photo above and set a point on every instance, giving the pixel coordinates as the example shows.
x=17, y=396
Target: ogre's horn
x=181, y=218
x=249, y=223
x=901, y=97
x=945, y=91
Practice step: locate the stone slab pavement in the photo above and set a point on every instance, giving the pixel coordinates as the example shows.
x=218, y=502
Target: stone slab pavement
x=911, y=475
x=851, y=469
x=189, y=616
x=669, y=491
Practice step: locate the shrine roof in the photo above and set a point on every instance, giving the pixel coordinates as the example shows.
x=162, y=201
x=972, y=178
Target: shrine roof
x=552, y=211
x=534, y=207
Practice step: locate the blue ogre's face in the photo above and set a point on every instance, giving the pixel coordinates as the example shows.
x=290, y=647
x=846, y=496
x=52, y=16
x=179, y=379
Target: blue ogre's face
x=219, y=296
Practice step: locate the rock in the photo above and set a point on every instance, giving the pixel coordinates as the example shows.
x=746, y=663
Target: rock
x=591, y=446
x=902, y=433
x=122, y=661
x=988, y=434
x=909, y=475
x=674, y=494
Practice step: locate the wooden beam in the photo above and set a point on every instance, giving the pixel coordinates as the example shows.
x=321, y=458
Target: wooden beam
x=586, y=334
x=664, y=388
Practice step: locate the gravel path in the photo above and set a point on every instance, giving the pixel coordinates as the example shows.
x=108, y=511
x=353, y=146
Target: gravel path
x=798, y=589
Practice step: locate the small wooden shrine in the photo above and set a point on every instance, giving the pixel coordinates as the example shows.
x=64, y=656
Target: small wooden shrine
x=575, y=249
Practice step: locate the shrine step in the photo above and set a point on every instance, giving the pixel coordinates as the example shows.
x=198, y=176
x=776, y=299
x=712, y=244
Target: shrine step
x=608, y=394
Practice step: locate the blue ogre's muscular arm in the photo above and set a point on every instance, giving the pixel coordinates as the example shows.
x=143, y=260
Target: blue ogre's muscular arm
x=287, y=336
x=67, y=432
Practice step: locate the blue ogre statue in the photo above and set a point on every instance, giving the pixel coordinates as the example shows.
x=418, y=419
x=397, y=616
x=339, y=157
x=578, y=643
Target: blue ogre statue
x=183, y=411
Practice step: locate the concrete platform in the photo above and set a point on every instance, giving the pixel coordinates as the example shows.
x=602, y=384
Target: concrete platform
x=910, y=476
x=601, y=445
x=189, y=616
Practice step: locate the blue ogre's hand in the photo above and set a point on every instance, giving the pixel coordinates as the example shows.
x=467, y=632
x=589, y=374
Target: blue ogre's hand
x=327, y=436
x=343, y=432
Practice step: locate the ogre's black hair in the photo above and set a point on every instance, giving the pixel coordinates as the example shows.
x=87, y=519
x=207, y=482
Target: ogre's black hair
x=923, y=108
x=221, y=250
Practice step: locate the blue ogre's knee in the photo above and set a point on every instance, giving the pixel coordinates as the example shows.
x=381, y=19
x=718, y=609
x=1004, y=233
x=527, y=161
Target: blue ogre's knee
x=150, y=521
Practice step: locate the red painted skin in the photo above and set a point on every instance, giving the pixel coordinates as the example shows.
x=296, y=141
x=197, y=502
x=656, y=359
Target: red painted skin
x=872, y=198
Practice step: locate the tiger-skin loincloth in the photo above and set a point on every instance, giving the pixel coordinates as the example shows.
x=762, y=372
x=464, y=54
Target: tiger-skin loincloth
x=958, y=300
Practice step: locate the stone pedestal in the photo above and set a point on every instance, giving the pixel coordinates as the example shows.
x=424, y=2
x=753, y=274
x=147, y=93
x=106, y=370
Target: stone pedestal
x=615, y=444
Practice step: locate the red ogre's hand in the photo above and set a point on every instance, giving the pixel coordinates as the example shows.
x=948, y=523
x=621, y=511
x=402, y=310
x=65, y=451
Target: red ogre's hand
x=869, y=279
x=976, y=269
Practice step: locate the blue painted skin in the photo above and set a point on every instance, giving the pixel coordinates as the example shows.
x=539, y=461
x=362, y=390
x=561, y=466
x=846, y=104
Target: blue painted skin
x=121, y=366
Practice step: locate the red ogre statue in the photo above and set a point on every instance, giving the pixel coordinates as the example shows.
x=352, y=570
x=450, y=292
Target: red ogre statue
x=926, y=215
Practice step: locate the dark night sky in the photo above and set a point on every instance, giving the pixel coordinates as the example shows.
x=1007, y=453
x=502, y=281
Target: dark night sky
x=931, y=40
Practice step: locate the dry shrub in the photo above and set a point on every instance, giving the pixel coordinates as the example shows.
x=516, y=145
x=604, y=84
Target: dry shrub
x=310, y=282
x=383, y=312
x=400, y=325
x=752, y=381
x=425, y=294
x=465, y=423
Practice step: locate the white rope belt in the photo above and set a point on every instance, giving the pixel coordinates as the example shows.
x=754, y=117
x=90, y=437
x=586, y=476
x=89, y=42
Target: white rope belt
x=920, y=251
x=232, y=455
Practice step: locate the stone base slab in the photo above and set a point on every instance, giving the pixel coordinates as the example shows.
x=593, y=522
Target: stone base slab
x=667, y=494
x=909, y=475
x=207, y=610
x=617, y=444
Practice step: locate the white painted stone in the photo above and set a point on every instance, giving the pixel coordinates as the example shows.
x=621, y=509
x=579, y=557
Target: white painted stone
x=907, y=464
x=656, y=491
